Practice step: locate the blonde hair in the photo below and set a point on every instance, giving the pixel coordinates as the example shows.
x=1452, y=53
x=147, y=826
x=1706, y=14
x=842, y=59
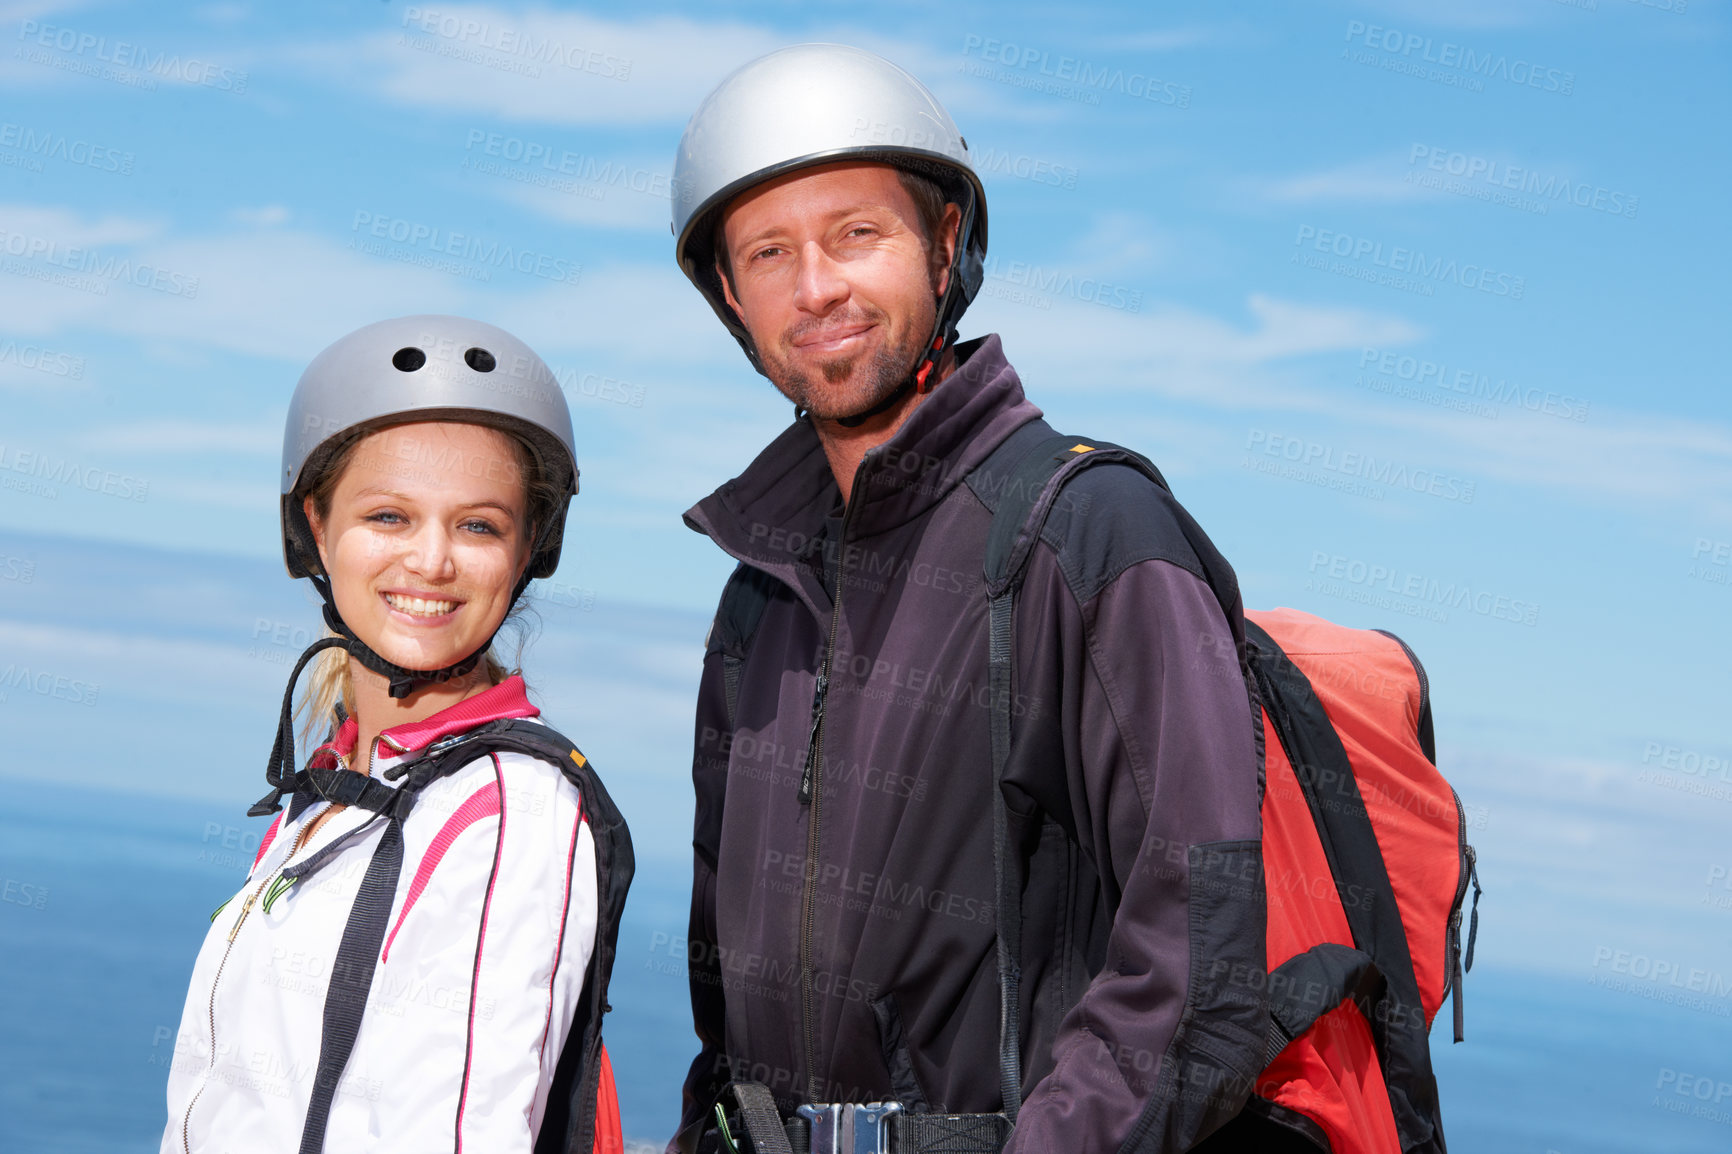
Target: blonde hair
x=330, y=691
x=329, y=696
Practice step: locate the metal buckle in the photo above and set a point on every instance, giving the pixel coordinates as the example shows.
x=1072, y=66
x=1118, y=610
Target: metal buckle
x=850, y=1127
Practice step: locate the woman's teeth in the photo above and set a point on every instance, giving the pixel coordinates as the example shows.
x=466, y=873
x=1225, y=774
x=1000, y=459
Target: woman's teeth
x=418, y=606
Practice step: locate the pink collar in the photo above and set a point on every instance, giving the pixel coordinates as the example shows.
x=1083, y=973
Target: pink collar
x=507, y=699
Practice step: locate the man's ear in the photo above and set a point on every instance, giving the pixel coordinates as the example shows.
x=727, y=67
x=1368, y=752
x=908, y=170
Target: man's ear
x=728, y=287
x=944, y=248
x=318, y=527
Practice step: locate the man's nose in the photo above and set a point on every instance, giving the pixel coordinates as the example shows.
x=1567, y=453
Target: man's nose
x=821, y=286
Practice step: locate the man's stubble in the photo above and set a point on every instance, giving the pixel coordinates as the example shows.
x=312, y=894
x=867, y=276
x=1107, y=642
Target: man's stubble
x=880, y=376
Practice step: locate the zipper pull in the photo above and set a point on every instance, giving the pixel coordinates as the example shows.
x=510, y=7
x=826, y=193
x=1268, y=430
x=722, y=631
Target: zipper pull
x=1473, y=922
x=811, y=768
x=246, y=907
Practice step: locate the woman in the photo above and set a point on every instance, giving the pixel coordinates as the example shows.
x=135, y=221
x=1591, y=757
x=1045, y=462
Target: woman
x=419, y=957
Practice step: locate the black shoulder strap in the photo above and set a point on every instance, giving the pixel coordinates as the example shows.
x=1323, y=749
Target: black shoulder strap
x=1397, y=1017
x=1020, y=481
x=351, y=980
x=568, y=1126
x=1023, y=479
x=744, y=598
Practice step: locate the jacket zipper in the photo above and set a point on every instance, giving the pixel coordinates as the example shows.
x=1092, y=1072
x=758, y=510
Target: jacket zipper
x=809, y=796
x=216, y=980
x=301, y=840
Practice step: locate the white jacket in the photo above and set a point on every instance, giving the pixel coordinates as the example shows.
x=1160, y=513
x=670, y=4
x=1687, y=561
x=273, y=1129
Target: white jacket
x=491, y=929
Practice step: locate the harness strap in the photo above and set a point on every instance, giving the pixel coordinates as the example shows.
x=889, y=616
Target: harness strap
x=1309, y=985
x=352, y=979
x=280, y=771
x=949, y=1133
x=1006, y=862
x=763, y=1121
x=316, y=862
x=346, y=787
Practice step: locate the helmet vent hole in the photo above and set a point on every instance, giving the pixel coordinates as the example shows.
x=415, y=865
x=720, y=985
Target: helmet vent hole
x=408, y=359
x=480, y=360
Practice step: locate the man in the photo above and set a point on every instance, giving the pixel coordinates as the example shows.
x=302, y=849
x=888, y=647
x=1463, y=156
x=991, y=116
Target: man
x=842, y=938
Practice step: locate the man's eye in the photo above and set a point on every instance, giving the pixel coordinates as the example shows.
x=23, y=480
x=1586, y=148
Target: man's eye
x=765, y=253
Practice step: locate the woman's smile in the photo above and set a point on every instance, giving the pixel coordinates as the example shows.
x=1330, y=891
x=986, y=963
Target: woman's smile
x=422, y=610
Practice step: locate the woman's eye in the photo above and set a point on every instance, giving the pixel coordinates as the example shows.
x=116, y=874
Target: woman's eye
x=480, y=527
x=385, y=518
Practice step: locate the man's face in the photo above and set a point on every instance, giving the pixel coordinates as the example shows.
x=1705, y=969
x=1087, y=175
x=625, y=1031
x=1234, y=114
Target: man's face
x=835, y=282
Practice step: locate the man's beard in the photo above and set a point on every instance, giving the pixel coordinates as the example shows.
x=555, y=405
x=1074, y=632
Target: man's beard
x=886, y=369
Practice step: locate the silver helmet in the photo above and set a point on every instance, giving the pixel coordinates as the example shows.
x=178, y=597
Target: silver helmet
x=422, y=368
x=808, y=105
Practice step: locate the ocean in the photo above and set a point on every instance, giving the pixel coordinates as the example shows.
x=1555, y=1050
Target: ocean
x=109, y=895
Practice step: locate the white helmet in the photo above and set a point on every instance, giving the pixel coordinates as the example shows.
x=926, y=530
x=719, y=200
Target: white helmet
x=817, y=104
x=422, y=368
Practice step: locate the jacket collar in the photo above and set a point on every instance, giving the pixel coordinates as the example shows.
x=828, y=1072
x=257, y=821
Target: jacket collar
x=771, y=514
x=505, y=700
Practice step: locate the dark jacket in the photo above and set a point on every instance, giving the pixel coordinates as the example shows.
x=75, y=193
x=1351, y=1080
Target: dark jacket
x=843, y=949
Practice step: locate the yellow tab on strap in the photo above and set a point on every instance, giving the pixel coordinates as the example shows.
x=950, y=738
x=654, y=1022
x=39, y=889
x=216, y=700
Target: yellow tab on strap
x=578, y=757
x=1081, y=448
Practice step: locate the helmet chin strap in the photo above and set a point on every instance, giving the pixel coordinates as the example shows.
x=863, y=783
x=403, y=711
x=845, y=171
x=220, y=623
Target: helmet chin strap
x=915, y=380
x=281, y=773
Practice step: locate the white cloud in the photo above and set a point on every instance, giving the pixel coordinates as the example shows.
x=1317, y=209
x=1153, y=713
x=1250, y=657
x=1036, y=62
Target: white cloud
x=538, y=65
x=225, y=13
x=1165, y=39
x=275, y=293
x=61, y=53
x=1636, y=460
x=22, y=10
x=1456, y=14
x=1632, y=460
x=1125, y=244
x=591, y=206
x=263, y=216
x=545, y=66
x=187, y=436
x=1379, y=180
x=28, y=229
x=287, y=293
x=261, y=500
x=284, y=293
x=1157, y=348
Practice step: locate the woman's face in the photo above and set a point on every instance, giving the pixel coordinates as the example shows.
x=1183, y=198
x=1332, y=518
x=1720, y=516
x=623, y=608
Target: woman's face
x=426, y=538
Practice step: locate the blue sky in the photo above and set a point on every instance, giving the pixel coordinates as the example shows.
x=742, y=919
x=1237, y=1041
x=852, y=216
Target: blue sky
x=1421, y=307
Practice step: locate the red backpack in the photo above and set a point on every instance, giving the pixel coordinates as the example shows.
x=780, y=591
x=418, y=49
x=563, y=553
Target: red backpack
x=1365, y=855
x=1366, y=863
